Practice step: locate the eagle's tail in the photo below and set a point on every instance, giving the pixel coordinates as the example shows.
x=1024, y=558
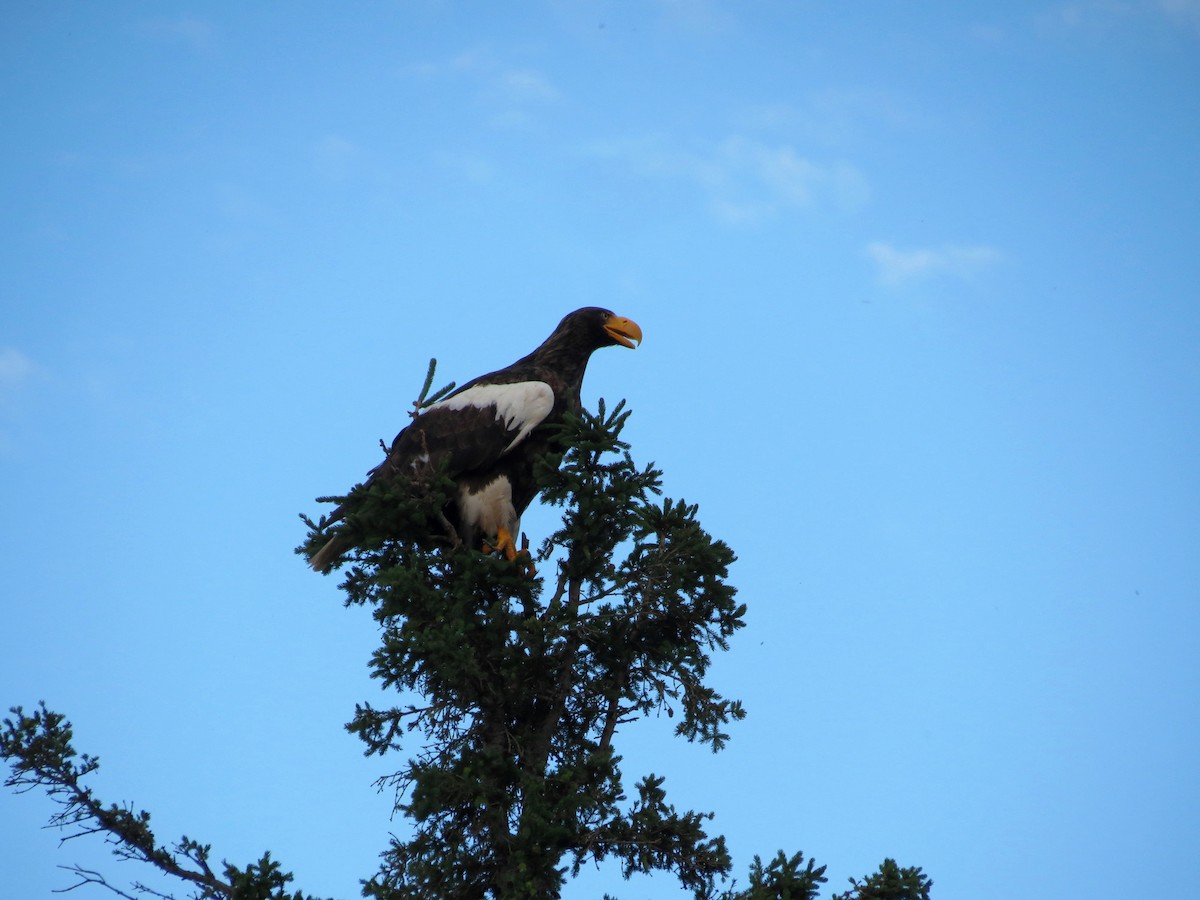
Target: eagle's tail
x=324, y=558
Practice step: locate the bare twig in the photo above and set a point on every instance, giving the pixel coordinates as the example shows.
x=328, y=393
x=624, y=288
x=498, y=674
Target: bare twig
x=87, y=876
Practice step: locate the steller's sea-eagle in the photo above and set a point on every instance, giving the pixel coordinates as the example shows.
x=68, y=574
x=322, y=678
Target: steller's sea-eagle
x=487, y=436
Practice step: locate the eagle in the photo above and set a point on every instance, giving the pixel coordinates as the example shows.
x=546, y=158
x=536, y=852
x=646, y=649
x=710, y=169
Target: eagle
x=488, y=434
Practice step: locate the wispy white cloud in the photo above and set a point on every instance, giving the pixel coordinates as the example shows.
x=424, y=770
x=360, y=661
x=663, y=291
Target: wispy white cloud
x=1089, y=13
x=1184, y=13
x=696, y=16
x=509, y=94
x=515, y=97
x=895, y=266
x=15, y=370
x=834, y=116
x=341, y=162
x=335, y=157
x=742, y=180
x=987, y=33
x=793, y=180
x=527, y=86
x=472, y=167
x=1115, y=16
x=196, y=33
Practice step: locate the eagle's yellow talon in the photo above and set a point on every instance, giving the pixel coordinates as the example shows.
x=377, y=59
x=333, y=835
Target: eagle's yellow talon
x=506, y=545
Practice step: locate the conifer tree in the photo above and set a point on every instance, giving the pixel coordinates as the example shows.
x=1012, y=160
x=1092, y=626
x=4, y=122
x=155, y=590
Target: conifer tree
x=890, y=883
x=514, y=681
x=520, y=683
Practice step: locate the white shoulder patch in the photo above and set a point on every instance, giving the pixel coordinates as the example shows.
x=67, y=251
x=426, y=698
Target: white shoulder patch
x=521, y=406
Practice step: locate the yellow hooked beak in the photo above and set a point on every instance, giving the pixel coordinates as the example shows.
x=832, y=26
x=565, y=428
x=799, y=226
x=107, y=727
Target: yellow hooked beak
x=624, y=331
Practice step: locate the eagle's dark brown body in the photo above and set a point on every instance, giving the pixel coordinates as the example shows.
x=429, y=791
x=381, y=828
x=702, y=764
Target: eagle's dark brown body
x=489, y=433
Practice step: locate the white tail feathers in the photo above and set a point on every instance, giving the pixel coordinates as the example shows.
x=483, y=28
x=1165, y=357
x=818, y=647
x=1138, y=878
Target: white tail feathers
x=323, y=560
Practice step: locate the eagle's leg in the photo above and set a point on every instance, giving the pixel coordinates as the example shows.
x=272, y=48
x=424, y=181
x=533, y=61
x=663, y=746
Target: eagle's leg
x=506, y=545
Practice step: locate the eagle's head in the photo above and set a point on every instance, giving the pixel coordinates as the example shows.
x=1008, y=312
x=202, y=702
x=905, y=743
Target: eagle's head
x=591, y=328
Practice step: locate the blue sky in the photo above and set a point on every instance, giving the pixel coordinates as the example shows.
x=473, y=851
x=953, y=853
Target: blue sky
x=919, y=287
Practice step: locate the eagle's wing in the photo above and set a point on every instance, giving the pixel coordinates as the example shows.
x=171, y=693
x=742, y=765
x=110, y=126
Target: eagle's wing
x=473, y=428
